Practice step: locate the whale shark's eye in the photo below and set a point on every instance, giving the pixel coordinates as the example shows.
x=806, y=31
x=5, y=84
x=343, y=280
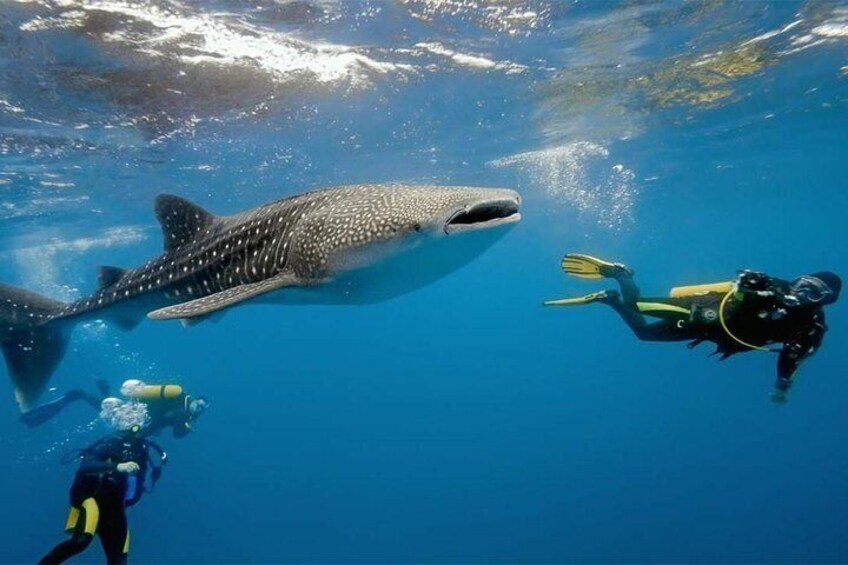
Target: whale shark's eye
x=417, y=227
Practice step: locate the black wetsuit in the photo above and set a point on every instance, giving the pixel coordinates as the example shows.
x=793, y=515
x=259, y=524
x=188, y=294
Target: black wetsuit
x=163, y=412
x=169, y=413
x=100, y=495
x=760, y=315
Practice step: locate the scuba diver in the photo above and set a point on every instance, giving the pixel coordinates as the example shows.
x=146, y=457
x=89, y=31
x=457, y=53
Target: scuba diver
x=747, y=314
x=167, y=406
x=111, y=477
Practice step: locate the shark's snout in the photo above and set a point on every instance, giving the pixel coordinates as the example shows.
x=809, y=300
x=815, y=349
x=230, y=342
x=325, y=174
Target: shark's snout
x=485, y=214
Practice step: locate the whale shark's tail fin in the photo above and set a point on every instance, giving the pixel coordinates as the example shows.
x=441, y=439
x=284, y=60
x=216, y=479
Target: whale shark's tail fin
x=32, y=343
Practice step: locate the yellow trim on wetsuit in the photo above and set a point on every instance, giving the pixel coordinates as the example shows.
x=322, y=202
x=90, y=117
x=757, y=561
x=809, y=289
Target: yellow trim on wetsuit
x=92, y=516
x=73, y=518
x=127, y=542
x=700, y=289
x=660, y=307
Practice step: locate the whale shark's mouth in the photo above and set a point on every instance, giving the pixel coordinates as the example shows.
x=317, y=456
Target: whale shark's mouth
x=484, y=215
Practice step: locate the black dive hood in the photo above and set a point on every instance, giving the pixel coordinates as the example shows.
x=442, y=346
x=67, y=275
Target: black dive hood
x=821, y=288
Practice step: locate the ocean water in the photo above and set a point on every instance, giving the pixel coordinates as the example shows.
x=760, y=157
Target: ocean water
x=463, y=422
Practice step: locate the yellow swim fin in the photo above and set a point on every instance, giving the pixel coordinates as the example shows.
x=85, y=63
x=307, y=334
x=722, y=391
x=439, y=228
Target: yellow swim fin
x=579, y=300
x=588, y=267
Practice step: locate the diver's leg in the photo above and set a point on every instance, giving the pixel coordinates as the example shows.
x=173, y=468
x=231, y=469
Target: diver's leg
x=113, y=530
x=103, y=388
x=49, y=410
x=92, y=400
x=627, y=302
x=629, y=290
x=84, y=530
x=67, y=549
x=663, y=330
x=46, y=412
x=125, y=553
x=628, y=308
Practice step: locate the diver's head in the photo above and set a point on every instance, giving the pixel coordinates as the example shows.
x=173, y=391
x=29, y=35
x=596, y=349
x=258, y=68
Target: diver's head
x=132, y=387
x=820, y=288
x=109, y=405
x=197, y=406
x=123, y=415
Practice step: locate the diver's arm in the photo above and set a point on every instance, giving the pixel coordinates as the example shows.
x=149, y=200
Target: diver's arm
x=795, y=350
x=92, y=466
x=181, y=429
x=761, y=284
x=96, y=466
x=177, y=420
x=98, y=459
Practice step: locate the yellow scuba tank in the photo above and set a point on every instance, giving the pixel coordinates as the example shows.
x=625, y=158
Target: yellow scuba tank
x=152, y=392
x=700, y=289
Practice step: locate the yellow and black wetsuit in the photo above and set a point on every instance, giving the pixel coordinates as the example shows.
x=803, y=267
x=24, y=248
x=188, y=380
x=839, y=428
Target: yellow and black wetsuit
x=99, y=497
x=736, y=317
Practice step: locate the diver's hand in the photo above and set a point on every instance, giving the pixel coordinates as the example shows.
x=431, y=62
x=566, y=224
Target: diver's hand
x=130, y=467
x=781, y=390
x=778, y=397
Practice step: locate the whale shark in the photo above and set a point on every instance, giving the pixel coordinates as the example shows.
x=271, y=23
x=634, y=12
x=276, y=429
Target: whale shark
x=355, y=244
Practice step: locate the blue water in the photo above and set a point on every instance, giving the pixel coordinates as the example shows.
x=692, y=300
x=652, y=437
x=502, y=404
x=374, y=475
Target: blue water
x=462, y=422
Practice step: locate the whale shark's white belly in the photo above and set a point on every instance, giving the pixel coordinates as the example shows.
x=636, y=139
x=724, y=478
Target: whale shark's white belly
x=384, y=278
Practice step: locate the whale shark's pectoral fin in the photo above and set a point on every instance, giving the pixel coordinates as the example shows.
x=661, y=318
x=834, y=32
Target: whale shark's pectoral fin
x=224, y=299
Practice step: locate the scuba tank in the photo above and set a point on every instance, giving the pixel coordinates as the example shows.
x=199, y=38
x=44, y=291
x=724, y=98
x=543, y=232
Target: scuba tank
x=152, y=392
x=700, y=289
x=132, y=489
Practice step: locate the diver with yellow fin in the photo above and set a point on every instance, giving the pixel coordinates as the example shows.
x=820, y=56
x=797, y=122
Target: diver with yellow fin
x=746, y=314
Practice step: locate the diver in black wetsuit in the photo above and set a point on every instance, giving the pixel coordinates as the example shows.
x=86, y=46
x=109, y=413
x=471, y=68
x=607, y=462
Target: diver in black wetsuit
x=168, y=406
x=111, y=477
x=743, y=315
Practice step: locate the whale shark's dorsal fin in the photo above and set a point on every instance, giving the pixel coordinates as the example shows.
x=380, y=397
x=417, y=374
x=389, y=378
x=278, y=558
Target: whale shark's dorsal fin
x=224, y=299
x=107, y=276
x=181, y=220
